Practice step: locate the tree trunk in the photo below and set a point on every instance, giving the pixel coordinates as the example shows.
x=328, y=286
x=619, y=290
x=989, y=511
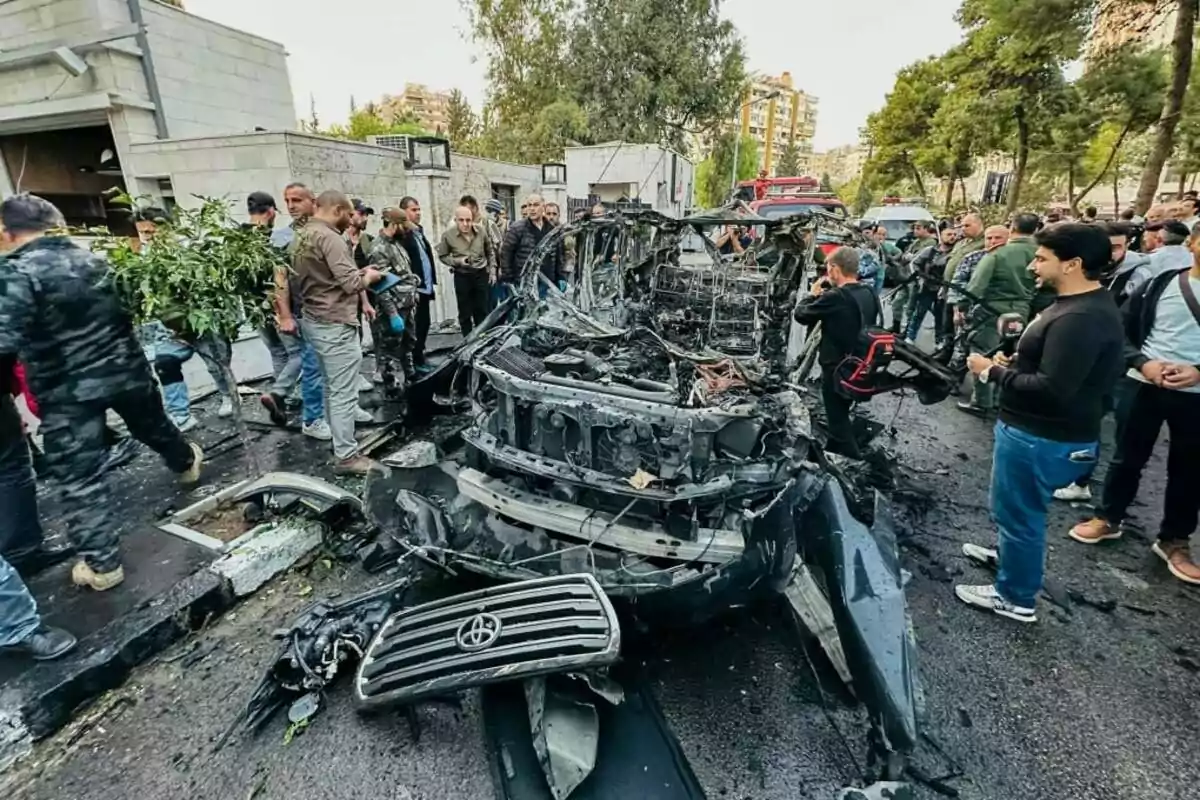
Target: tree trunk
x=1072, y=200
x=1112, y=156
x=962, y=184
x=1181, y=70
x=1116, y=193
x=1014, y=191
x=239, y=422
x=949, y=193
x=917, y=177
x=1182, y=181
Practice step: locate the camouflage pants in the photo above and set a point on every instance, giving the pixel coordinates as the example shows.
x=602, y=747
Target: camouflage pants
x=394, y=353
x=75, y=450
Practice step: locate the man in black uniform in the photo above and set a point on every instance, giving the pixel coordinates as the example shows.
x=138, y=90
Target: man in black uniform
x=61, y=316
x=845, y=308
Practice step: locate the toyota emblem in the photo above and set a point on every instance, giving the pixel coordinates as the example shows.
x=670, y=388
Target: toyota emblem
x=478, y=633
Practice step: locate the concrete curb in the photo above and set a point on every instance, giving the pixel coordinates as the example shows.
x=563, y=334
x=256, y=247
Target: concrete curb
x=43, y=700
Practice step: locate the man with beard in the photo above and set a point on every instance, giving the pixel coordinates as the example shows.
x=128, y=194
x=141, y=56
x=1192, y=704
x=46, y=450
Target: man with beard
x=396, y=298
x=1050, y=408
x=330, y=284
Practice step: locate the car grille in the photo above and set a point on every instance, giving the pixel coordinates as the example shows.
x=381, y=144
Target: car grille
x=516, y=362
x=509, y=632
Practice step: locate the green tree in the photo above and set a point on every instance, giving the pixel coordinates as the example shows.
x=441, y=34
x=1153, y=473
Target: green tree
x=1125, y=88
x=826, y=183
x=1187, y=135
x=461, y=123
x=899, y=130
x=713, y=181
x=525, y=45
x=368, y=121
x=789, y=162
x=1181, y=70
x=1013, y=58
x=650, y=70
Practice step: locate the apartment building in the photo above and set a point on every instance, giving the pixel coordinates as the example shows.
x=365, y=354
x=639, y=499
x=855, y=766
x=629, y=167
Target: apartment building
x=776, y=114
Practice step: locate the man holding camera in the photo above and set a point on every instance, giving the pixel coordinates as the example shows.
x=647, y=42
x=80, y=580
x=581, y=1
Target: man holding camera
x=1050, y=408
x=845, y=307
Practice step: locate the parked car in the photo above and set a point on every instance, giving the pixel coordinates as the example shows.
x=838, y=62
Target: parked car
x=898, y=219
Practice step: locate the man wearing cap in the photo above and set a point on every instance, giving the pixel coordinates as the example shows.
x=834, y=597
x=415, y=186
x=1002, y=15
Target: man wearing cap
x=394, y=328
x=360, y=241
x=262, y=210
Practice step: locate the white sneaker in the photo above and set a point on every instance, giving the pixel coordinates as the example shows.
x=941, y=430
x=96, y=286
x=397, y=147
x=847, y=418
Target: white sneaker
x=987, y=598
x=226, y=409
x=982, y=555
x=1073, y=493
x=318, y=430
x=362, y=416
x=187, y=425
x=364, y=385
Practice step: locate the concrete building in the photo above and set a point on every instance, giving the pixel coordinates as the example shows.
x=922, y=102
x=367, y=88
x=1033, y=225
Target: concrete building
x=1150, y=23
x=841, y=164
x=430, y=109
x=618, y=171
x=83, y=81
x=141, y=96
x=789, y=118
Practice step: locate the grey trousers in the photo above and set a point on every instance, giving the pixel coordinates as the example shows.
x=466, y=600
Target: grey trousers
x=287, y=371
x=279, y=351
x=340, y=357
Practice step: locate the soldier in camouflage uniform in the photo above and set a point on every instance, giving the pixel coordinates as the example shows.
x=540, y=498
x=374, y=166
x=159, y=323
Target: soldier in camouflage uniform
x=394, y=327
x=60, y=314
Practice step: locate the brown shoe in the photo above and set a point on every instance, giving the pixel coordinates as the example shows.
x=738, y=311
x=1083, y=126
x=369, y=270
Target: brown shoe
x=192, y=473
x=357, y=464
x=1178, y=556
x=83, y=575
x=1095, y=531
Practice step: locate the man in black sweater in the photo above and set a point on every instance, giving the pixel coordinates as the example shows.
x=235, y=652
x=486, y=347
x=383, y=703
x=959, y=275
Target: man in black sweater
x=845, y=308
x=1050, y=407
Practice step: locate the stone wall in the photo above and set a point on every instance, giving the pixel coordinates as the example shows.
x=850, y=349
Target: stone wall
x=214, y=79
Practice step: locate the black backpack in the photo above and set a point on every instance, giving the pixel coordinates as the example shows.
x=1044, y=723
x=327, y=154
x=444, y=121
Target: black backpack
x=862, y=374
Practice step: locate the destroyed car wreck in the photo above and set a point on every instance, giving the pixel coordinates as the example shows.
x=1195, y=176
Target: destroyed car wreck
x=647, y=435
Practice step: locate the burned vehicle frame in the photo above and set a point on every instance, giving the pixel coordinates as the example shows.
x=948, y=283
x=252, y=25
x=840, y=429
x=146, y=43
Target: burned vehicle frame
x=638, y=445
x=646, y=428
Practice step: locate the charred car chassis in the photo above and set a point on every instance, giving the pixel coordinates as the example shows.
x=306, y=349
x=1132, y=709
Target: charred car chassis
x=649, y=431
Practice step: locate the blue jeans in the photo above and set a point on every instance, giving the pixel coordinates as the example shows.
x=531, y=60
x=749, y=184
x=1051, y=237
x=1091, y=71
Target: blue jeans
x=312, y=386
x=1026, y=469
x=18, y=610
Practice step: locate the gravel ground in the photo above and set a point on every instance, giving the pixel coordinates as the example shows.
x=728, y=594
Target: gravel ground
x=1094, y=702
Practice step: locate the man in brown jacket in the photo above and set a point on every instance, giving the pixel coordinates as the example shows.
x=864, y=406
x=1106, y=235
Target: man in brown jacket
x=330, y=284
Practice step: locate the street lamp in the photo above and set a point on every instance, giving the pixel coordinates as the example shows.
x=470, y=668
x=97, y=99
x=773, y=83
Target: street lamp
x=737, y=138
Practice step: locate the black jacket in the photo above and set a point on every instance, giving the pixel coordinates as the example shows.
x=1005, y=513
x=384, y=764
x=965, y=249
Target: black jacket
x=1138, y=313
x=844, y=313
x=519, y=244
x=414, y=257
x=930, y=262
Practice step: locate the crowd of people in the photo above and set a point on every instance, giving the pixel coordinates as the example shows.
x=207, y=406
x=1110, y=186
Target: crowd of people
x=1112, y=325
x=71, y=349
x=1108, y=323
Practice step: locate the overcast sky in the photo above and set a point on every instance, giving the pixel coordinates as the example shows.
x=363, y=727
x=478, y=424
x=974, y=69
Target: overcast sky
x=846, y=53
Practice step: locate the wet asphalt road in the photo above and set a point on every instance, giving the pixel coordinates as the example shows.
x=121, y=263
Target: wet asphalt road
x=1096, y=702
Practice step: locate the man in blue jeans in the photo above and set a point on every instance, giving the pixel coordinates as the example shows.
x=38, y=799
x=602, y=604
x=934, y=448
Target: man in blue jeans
x=1051, y=395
